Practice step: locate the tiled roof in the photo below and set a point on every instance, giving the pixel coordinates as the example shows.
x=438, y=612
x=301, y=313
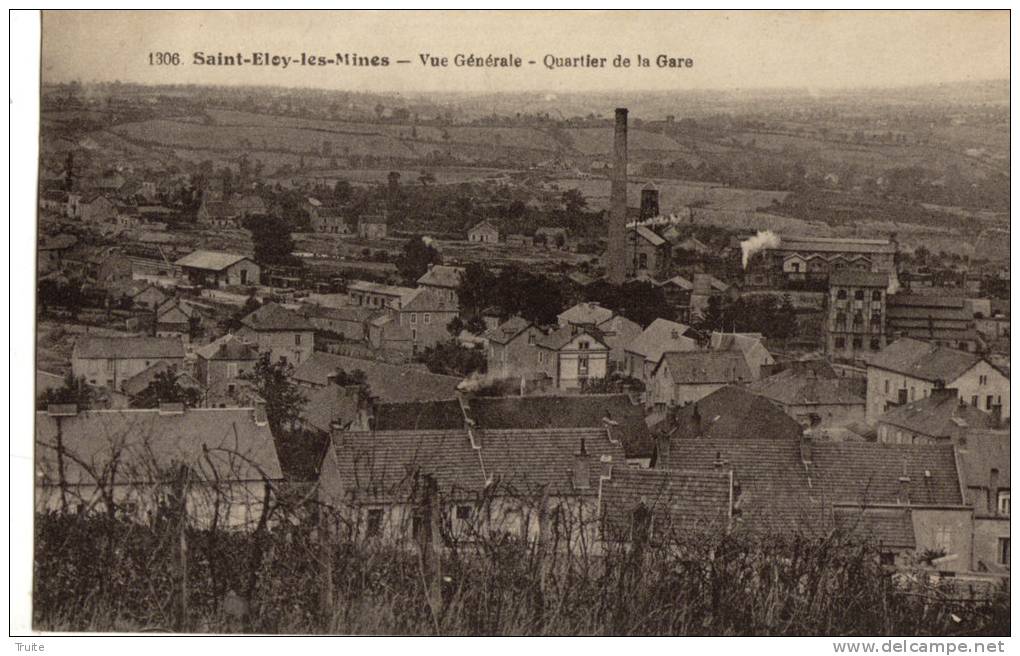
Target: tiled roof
x=506, y=331
x=923, y=360
x=140, y=381
x=985, y=450
x=210, y=260
x=792, y=387
x=355, y=313
x=527, y=412
x=701, y=367
x=585, y=313
x=677, y=281
x=425, y=299
x=273, y=316
x=367, y=287
x=649, y=235
x=484, y=225
x=661, y=336
x=836, y=245
x=228, y=347
x=440, y=275
x=858, y=278
x=939, y=415
x=389, y=382
x=679, y=501
x=147, y=440
x=378, y=466
x=93, y=347
x=731, y=413
x=890, y=527
x=331, y=403
x=560, y=337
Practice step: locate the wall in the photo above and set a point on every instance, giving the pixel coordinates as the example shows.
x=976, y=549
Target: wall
x=831, y=415
x=235, y=272
x=569, y=357
x=949, y=530
x=970, y=385
x=518, y=356
x=281, y=343
x=987, y=532
x=112, y=373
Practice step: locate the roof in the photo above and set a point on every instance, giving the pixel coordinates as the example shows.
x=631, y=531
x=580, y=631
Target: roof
x=366, y=287
x=388, y=382
x=743, y=342
x=386, y=465
x=528, y=412
x=425, y=299
x=331, y=403
x=835, y=245
x=940, y=415
x=731, y=413
x=891, y=527
x=660, y=336
x=585, y=313
x=677, y=281
x=508, y=330
x=792, y=387
x=922, y=360
x=124, y=348
x=706, y=284
x=355, y=313
x=700, y=367
x=484, y=225
x=984, y=451
x=227, y=347
x=560, y=337
x=273, y=316
x=858, y=278
x=678, y=500
x=210, y=260
x=649, y=235
x=141, y=381
x=441, y=275
x=223, y=442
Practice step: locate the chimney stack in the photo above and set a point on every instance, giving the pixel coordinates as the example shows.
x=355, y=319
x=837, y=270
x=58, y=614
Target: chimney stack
x=662, y=451
x=261, y=418
x=582, y=469
x=616, y=260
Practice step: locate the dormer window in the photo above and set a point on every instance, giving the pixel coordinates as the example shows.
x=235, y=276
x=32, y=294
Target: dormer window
x=531, y=339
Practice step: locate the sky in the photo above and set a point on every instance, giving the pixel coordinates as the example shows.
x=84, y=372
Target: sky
x=730, y=49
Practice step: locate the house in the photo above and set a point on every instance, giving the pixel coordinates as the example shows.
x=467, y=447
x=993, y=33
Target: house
x=750, y=344
x=941, y=320
x=618, y=333
x=643, y=354
x=444, y=279
x=284, y=334
x=794, y=258
x=618, y=413
x=126, y=462
x=140, y=382
x=387, y=382
x=332, y=323
x=96, y=208
x=485, y=232
x=683, y=377
x=218, y=214
x=330, y=220
x=377, y=295
x=678, y=291
x=176, y=318
x=226, y=358
x=584, y=314
x=419, y=322
x=149, y=297
x=402, y=486
x=372, y=226
x=908, y=370
x=941, y=416
x=647, y=252
x=219, y=269
x=985, y=464
x=705, y=288
x=728, y=412
x=572, y=355
x=823, y=404
x=53, y=200
x=906, y=499
x=856, y=313
x=250, y=205
x=512, y=348
x=109, y=361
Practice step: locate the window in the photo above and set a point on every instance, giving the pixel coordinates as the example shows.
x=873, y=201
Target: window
x=886, y=385
x=858, y=342
x=373, y=522
x=582, y=366
x=859, y=295
x=841, y=295
x=1003, y=551
x=414, y=334
x=988, y=402
x=974, y=400
x=913, y=393
x=841, y=319
x=982, y=380
x=427, y=318
x=943, y=539
x=795, y=267
x=840, y=342
x=874, y=344
x=583, y=346
x=1003, y=504
x=417, y=525
x=531, y=340
x=231, y=370
x=463, y=519
x=297, y=339
x=887, y=558
x=876, y=295
x=111, y=364
x=414, y=318
x=643, y=260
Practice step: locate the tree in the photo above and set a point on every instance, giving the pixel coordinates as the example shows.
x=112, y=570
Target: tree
x=354, y=378
x=273, y=243
x=74, y=390
x=574, y=201
x=452, y=359
x=638, y=300
x=415, y=258
x=166, y=388
x=284, y=401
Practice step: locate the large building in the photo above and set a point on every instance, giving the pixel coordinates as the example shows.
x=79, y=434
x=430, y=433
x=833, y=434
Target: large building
x=109, y=361
x=284, y=334
x=937, y=319
x=218, y=269
x=855, y=313
x=813, y=259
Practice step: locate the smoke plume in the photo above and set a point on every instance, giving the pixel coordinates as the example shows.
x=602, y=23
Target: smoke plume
x=656, y=221
x=764, y=239
x=428, y=241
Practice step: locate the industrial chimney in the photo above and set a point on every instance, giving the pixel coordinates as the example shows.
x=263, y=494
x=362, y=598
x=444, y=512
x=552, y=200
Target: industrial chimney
x=616, y=260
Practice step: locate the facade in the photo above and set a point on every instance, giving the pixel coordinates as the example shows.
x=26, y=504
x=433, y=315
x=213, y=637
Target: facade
x=174, y=319
x=484, y=233
x=226, y=358
x=372, y=226
x=347, y=323
x=377, y=295
x=419, y=322
x=284, y=334
x=443, y=279
x=678, y=291
x=684, y=377
x=643, y=354
x=618, y=333
x=812, y=259
x=109, y=361
x=984, y=461
x=572, y=355
x=822, y=404
x=647, y=253
x=941, y=320
x=749, y=344
x=939, y=417
x=908, y=370
x=219, y=269
x=329, y=220
x=855, y=313
x=513, y=348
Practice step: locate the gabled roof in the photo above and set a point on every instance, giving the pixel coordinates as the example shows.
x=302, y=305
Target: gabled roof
x=425, y=299
x=527, y=412
x=140, y=381
x=858, y=278
x=228, y=347
x=585, y=313
x=922, y=360
x=441, y=275
x=93, y=347
x=560, y=337
x=731, y=413
x=387, y=465
x=985, y=450
x=649, y=235
x=836, y=245
x=701, y=367
x=888, y=526
x=508, y=330
x=388, y=382
x=215, y=442
x=797, y=387
x=374, y=219
x=210, y=260
x=743, y=342
x=273, y=316
x=677, y=281
x=680, y=501
x=940, y=415
x=660, y=336
x=484, y=225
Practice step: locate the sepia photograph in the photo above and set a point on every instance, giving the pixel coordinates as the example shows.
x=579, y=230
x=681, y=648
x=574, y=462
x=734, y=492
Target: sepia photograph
x=521, y=323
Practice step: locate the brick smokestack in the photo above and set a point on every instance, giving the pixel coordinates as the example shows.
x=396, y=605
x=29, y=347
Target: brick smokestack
x=616, y=260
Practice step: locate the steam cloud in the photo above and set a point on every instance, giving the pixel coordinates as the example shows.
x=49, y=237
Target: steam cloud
x=428, y=241
x=764, y=239
x=657, y=221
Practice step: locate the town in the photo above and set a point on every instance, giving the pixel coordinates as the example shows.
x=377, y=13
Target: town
x=435, y=330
